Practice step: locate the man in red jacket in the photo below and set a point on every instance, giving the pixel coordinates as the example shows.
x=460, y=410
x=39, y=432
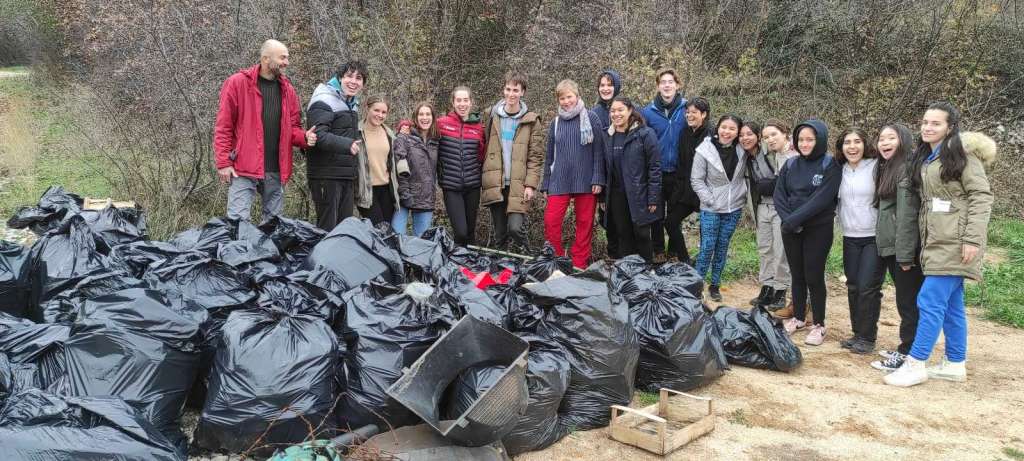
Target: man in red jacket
x=257, y=125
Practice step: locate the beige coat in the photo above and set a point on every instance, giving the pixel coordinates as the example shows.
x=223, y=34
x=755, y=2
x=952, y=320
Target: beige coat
x=527, y=163
x=943, y=233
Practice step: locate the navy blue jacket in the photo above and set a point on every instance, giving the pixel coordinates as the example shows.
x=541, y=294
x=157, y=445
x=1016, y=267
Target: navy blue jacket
x=641, y=172
x=668, y=130
x=807, y=188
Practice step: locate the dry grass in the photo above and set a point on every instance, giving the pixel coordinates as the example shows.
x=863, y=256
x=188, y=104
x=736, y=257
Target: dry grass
x=18, y=129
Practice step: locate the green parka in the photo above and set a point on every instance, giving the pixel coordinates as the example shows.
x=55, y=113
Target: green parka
x=896, y=232
x=944, y=233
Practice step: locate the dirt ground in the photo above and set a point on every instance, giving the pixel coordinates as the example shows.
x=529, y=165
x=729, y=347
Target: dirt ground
x=835, y=407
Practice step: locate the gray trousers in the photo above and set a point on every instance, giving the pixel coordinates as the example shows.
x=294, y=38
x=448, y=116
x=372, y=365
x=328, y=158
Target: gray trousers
x=774, y=267
x=242, y=190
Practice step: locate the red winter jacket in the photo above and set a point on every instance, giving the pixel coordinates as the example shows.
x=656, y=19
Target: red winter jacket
x=239, y=125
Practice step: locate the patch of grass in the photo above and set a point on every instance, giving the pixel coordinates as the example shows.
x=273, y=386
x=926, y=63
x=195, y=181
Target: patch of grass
x=1002, y=291
x=739, y=417
x=647, y=398
x=40, y=149
x=1013, y=453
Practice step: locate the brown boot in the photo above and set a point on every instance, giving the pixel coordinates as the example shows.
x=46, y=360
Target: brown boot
x=785, y=312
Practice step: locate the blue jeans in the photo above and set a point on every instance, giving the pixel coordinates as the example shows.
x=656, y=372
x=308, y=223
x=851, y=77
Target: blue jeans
x=941, y=306
x=421, y=220
x=716, y=231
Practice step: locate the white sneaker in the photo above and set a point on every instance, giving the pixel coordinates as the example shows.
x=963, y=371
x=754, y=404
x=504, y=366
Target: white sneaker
x=911, y=373
x=885, y=353
x=792, y=324
x=949, y=371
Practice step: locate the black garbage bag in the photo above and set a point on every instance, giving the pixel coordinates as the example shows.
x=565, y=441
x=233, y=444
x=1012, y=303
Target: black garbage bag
x=357, y=253
x=212, y=284
x=754, y=339
x=294, y=293
x=684, y=274
x=680, y=348
x=385, y=331
x=294, y=238
x=13, y=280
x=138, y=257
x=54, y=205
x=541, y=267
x=62, y=258
x=40, y=426
x=39, y=345
x=140, y=345
x=547, y=375
x=208, y=237
x=423, y=259
x=774, y=341
x=593, y=325
x=273, y=377
x=65, y=306
x=117, y=225
x=467, y=388
x=465, y=298
x=248, y=245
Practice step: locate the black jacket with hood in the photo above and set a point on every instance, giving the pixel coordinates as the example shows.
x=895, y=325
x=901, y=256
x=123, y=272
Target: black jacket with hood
x=689, y=139
x=807, y=188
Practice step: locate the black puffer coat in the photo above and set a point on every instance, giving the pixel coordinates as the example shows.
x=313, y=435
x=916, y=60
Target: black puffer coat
x=336, y=125
x=460, y=150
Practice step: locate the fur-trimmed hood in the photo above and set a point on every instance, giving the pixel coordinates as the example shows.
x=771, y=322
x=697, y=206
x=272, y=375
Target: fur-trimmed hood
x=979, y=145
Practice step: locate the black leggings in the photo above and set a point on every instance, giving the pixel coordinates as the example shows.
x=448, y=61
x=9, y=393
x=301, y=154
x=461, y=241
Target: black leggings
x=633, y=239
x=462, y=207
x=334, y=200
x=807, y=252
x=908, y=284
x=864, y=272
x=383, y=207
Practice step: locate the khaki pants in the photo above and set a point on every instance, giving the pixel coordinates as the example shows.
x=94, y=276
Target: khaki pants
x=774, y=267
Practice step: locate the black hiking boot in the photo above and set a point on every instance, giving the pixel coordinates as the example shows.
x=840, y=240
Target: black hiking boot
x=716, y=295
x=765, y=297
x=778, y=300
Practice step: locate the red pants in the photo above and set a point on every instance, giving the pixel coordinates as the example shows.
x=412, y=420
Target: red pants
x=555, y=213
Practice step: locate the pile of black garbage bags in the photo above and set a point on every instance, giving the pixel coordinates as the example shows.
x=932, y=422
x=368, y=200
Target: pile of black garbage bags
x=282, y=332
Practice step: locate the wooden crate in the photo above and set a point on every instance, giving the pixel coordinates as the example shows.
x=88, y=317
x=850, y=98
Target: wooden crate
x=662, y=428
x=89, y=203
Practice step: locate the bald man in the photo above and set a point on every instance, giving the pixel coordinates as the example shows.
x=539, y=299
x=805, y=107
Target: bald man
x=257, y=126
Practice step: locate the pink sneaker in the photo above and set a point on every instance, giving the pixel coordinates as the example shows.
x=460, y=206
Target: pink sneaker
x=792, y=324
x=816, y=336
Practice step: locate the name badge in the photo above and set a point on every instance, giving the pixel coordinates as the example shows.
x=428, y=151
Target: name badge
x=940, y=206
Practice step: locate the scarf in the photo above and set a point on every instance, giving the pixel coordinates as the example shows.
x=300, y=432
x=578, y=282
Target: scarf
x=586, y=131
x=667, y=108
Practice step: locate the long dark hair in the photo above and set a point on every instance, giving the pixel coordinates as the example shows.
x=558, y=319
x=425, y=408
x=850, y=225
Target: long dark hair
x=869, y=150
x=887, y=175
x=951, y=153
x=736, y=119
x=754, y=128
x=634, y=114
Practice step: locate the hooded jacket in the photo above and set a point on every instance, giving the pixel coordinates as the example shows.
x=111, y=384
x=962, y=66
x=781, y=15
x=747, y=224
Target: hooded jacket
x=418, y=156
x=527, y=163
x=460, y=151
x=601, y=107
x=718, y=193
x=807, y=187
x=668, y=129
x=336, y=123
x=955, y=213
x=641, y=172
x=238, y=130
